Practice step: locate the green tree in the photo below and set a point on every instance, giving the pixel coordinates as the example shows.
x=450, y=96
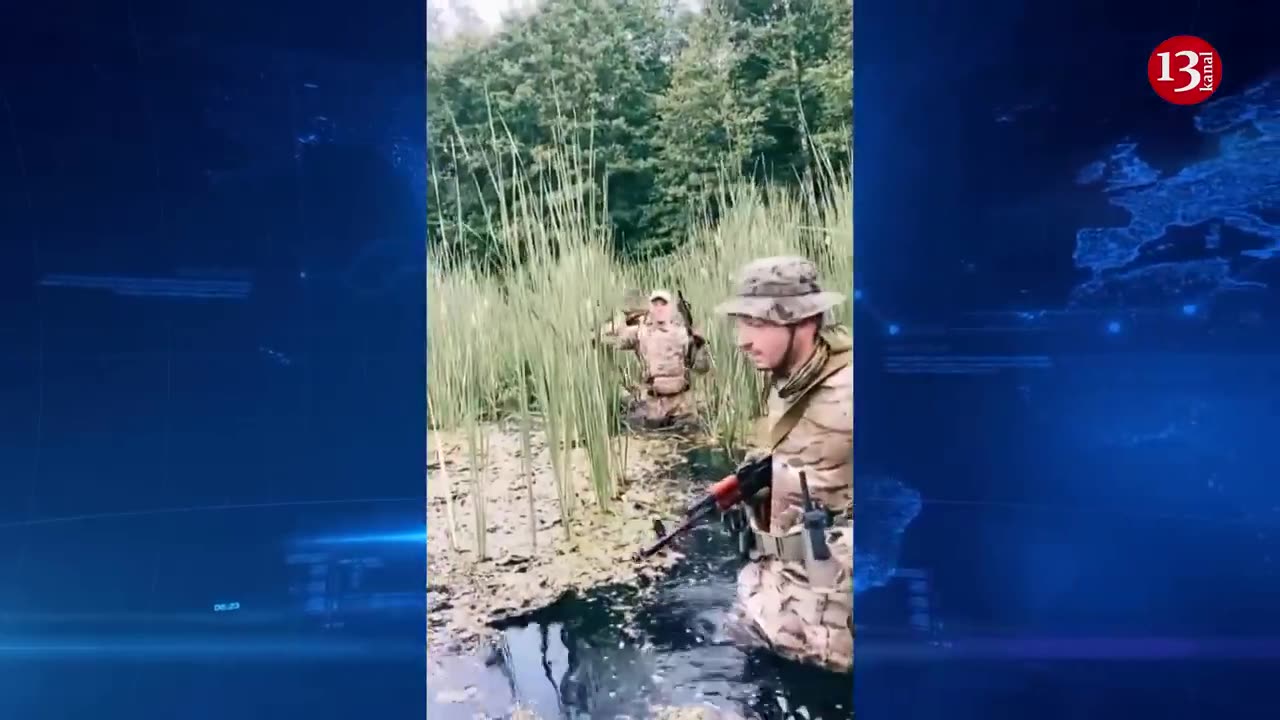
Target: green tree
x=577, y=73
x=795, y=52
x=706, y=131
x=659, y=103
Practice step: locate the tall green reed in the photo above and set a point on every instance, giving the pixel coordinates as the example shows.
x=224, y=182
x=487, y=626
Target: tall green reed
x=517, y=342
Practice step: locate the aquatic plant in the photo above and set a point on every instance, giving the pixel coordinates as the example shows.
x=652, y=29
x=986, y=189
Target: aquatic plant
x=514, y=339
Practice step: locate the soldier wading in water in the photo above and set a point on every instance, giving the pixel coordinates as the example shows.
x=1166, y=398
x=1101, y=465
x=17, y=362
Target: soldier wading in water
x=669, y=351
x=799, y=607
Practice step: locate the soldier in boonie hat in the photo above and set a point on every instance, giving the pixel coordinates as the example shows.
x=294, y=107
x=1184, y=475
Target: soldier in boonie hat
x=794, y=599
x=780, y=308
x=779, y=290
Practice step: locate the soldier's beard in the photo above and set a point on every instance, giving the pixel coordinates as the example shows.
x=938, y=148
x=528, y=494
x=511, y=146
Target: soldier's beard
x=800, y=373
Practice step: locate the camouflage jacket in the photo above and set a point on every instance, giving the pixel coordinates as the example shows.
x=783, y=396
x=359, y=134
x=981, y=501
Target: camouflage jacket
x=820, y=443
x=667, y=351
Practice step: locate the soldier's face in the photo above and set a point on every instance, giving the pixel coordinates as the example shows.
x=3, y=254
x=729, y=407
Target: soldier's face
x=764, y=343
x=660, y=311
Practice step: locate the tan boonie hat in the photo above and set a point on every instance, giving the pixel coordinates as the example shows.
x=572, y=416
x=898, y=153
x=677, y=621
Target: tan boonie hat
x=663, y=295
x=782, y=290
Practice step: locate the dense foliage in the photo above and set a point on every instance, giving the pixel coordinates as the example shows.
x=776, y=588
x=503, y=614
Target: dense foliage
x=660, y=104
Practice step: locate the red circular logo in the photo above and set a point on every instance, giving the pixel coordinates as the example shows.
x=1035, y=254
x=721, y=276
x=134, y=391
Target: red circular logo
x=1185, y=70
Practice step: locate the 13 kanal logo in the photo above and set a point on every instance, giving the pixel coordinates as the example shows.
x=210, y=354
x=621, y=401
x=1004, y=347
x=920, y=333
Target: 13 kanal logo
x=1185, y=70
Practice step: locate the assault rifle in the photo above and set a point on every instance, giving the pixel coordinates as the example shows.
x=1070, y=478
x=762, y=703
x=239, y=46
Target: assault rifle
x=744, y=484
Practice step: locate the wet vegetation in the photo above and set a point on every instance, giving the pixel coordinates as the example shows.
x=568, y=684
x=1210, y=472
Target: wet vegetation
x=659, y=149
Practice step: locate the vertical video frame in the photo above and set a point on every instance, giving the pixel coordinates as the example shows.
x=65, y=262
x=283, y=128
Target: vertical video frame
x=639, y=360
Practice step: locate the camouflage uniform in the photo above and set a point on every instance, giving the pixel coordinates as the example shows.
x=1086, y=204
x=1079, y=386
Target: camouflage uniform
x=802, y=612
x=667, y=352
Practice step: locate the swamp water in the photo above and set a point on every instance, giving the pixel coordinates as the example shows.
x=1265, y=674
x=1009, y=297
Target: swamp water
x=661, y=651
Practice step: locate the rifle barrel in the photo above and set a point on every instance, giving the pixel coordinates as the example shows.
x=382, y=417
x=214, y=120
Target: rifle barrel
x=684, y=527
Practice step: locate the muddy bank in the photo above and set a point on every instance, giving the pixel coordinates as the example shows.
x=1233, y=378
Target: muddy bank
x=521, y=573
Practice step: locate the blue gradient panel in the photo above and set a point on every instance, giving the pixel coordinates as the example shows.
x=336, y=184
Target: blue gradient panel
x=211, y=362
x=1068, y=324
x=408, y=538
x=1236, y=189
x=195, y=289
x=878, y=538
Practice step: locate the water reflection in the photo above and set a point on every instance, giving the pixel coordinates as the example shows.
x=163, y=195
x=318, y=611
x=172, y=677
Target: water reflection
x=621, y=652
x=627, y=652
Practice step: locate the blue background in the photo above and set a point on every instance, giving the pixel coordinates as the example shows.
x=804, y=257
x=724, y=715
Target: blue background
x=1091, y=437
x=211, y=360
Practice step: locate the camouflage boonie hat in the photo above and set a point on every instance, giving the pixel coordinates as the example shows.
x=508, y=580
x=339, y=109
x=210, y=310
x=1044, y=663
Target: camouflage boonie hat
x=782, y=290
x=663, y=295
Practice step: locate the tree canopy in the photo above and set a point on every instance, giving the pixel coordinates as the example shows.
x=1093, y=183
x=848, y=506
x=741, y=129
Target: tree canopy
x=665, y=104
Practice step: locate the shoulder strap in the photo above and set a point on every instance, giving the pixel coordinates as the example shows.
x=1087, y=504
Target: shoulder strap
x=787, y=422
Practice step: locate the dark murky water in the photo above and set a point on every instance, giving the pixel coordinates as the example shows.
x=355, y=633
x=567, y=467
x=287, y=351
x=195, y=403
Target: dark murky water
x=620, y=653
x=607, y=655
